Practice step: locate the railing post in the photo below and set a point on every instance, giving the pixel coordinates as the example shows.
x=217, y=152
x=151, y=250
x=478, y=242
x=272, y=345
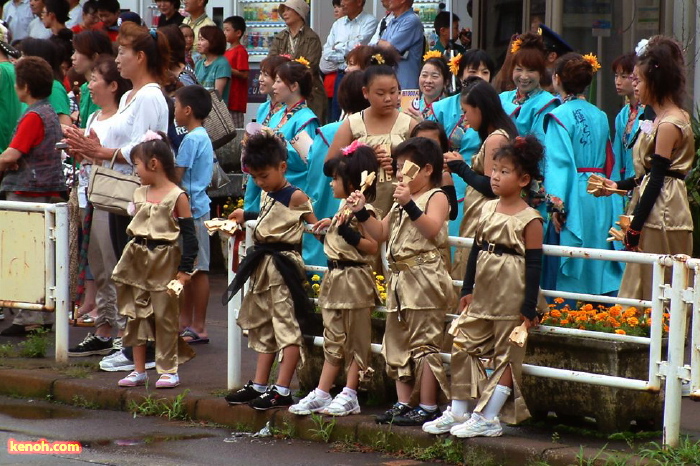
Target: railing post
x=695, y=339
x=657, y=309
x=62, y=280
x=676, y=340
x=233, y=373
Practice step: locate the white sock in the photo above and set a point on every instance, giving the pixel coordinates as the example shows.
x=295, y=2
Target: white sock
x=259, y=388
x=321, y=394
x=496, y=402
x=461, y=408
x=284, y=391
x=428, y=408
x=103, y=338
x=350, y=392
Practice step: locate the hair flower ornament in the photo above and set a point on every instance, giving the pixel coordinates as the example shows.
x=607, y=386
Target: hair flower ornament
x=454, y=63
x=641, y=47
x=286, y=55
x=378, y=59
x=515, y=46
x=303, y=61
x=593, y=61
x=348, y=150
x=432, y=54
x=151, y=136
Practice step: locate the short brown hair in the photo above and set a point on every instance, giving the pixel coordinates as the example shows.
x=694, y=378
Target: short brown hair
x=36, y=75
x=575, y=73
x=215, y=37
x=295, y=72
x=531, y=54
x=271, y=64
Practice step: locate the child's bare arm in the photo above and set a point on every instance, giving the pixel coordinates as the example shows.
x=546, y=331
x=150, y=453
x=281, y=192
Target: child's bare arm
x=367, y=244
x=299, y=198
x=430, y=222
x=182, y=206
x=343, y=137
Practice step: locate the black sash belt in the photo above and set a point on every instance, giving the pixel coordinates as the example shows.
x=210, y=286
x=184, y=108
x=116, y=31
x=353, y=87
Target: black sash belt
x=498, y=249
x=337, y=264
x=151, y=243
x=293, y=279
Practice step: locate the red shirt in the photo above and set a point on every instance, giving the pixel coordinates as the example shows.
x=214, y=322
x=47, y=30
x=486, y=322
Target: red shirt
x=30, y=132
x=79, y=28
x=238, y=94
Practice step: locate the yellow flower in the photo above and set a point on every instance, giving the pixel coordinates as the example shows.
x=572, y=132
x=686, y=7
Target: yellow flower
x=380, y=278
x=558, y=300
x=432, y=54
x=454, y=64
x=303, y=61
x=380, y=288
x=515, y=46
x=316, y=287
x=315, y=278
x=619, y=331
x=631, y=312
x=632, y=322
x=378, y=58
x=382, y=296
x=593, y=61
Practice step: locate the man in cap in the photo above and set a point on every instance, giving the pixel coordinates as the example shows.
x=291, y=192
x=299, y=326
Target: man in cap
x=299, y=40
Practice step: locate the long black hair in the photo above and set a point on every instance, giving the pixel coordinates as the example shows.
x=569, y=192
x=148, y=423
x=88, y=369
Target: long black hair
x=483, y=96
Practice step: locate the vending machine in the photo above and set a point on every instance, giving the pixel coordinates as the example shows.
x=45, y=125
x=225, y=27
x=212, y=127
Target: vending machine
x=427, y=10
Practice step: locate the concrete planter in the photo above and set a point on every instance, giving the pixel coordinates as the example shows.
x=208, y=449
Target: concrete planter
x=613, y=408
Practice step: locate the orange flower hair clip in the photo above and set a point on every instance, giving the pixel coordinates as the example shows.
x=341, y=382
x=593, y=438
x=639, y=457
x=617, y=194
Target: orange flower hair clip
x=303, y=61
x=593, y=61
x=432, y=54
x=378, y=59
x=454, y=63
x=515, y=46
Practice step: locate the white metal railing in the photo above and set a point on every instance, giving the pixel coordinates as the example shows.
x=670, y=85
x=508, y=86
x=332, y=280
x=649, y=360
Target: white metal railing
x=56, y=260
x=676, y=296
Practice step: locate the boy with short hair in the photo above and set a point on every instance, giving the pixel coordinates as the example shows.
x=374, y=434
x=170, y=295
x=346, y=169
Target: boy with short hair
x=108, y=11
x=237, y=56
x=31, y=167
x=442, y=29
x=195, y=164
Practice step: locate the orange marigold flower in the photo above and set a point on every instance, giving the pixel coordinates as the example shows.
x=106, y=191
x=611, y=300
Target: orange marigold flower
x=647, y=311
x=587, y=307
x=632, y=321
x=666, y=328
x=631, y=312
x=558, y=300
x=619, y=331
x=615, y=311
x=582, y=318
x=601, y=316
x=552, y=306
x=564, y=321
x=667, y=315
x=555, y=313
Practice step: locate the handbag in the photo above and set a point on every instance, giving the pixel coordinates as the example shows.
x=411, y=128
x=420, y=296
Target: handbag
x=218, y=123
x=111, y=190
x=219, y=178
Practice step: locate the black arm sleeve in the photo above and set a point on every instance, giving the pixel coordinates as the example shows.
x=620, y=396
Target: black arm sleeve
x=250, y=215
x=470, y=274
x=481, y=183
x=628, y=184
x=533, y=270
x=451, y=194
x=190, y=245
x=659, y=166
x=352, y=237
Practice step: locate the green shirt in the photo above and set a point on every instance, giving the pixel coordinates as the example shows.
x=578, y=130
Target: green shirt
x=9, y=103
x=58, y=99
x=87, y=106
x=208, y=74
x=457, y=48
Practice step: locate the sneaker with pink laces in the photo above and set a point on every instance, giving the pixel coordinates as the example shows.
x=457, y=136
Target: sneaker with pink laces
x=168, y=381
x=134, y=379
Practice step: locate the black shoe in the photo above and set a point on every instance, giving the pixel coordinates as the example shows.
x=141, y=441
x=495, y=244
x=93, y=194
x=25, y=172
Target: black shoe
x=271, y=399
x=416, y=417
x=243, y=395
x=399, y=409
x=90, y=346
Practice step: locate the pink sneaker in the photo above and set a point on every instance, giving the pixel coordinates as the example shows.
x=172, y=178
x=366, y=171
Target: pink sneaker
x=134, y=380
x=168, y=381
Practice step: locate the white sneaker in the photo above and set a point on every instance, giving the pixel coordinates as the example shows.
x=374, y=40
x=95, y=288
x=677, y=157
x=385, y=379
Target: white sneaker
x=311, y=403
x=168, y=381
x=444, y=423
x=342, y=405
x=134, y=380
x=478, y=426
x=117, y=362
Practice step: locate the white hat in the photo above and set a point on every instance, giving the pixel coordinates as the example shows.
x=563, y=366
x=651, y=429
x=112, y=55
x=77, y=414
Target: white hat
x=300, y=6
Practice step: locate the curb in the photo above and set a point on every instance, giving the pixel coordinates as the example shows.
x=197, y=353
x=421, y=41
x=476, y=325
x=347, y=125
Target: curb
x=359, y=429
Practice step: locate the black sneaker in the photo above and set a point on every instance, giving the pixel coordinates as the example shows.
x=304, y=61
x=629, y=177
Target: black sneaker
x=416, y=417
x=271, y=399
x=243, y=395
x=399, y=409
x=90, y=346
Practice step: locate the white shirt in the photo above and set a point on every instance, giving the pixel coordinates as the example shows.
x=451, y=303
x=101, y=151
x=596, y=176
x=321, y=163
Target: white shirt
x=147, y=110
x=17, y=16
x=375, y=38
x=37, y=30
x=345, y=35
x=75, y=16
